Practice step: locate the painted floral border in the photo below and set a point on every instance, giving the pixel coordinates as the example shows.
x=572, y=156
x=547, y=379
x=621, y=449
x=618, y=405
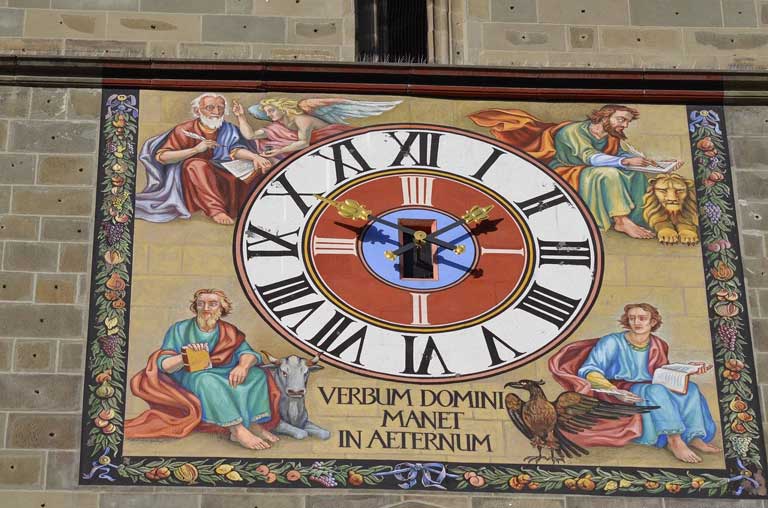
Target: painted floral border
x=102, y=461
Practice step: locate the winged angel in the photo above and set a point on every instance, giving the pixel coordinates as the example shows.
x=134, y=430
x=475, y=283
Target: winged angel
x=296, y=124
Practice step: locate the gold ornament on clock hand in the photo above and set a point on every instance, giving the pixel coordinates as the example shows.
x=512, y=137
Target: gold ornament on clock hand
x=349, y=208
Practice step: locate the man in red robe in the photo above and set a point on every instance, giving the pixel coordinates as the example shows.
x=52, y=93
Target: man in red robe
x=182, y=176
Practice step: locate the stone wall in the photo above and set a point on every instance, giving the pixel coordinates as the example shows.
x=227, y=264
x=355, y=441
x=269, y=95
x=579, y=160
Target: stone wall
x=670, y=34
x=196, y=29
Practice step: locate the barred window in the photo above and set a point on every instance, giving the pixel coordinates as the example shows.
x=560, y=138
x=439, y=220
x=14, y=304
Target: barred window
x=392, y=31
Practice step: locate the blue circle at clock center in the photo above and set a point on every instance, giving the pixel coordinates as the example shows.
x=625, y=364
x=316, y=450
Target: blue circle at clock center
x=448, y=267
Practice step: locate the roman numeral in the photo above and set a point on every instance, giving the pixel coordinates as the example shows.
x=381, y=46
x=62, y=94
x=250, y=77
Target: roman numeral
x=338, y=159
x=490, y=161
x=490, y=343
x=517, y=252
x=334, y=246
x=287, y=248
x=417, y=190
x=564, y=253
x=430, y=352
x=542, y=202
x=429, y=143
x=290, y=191
x=548, y=305
x=288, y=290
x=332, y=330
x=419, y=301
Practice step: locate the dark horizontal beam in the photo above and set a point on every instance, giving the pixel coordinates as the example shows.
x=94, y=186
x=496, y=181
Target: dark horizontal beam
x=416, y=80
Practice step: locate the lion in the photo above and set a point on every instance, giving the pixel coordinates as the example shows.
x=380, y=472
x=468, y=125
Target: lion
x=669, y=207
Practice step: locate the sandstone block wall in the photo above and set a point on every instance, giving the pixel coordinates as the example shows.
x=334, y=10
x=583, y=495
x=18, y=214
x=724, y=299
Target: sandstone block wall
x=318, y=30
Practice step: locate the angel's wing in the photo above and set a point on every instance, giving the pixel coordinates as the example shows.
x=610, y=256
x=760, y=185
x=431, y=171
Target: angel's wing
x=257, y=111
x=514, y=410
x=337, y=110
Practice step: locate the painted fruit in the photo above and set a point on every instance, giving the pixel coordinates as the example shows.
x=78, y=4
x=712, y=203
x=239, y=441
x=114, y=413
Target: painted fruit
x=292, y=475
x=355, y=479
x=105, y=390
x=234, y=476
x=262, y=470
x=115, y=283
x=224, y=469
x=100, y=422
x=109, y=429
x=186, y=473
x=477, y=481
x=737, y=405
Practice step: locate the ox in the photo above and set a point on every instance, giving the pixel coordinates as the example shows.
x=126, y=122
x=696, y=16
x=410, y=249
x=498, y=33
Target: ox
x=290, y=375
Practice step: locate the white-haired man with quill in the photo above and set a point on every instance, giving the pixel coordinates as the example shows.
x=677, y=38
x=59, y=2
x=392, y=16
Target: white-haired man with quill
x=182, y=176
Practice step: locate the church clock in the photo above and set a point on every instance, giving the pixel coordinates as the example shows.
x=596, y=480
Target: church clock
x=418, y=253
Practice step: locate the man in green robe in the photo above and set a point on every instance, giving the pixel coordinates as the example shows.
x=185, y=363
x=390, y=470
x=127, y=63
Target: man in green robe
x=229, y=394
x=591, y=155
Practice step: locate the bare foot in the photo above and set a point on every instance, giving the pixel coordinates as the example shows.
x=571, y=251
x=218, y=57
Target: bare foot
x=223, y=218
x=265, y=433
x=704, y=447
x=246, y=438
x=680, y=450
x=622, y=224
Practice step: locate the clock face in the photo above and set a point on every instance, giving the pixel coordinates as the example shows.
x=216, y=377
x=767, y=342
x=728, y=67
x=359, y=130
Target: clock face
x=418, y=253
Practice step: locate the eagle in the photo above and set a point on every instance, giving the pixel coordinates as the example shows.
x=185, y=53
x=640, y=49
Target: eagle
x=543, y=422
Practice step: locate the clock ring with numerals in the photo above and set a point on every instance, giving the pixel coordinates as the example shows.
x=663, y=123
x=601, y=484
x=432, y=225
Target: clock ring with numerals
x=418, y=253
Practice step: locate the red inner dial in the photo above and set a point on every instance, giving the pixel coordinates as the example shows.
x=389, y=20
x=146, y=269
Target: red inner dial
x=429, y=288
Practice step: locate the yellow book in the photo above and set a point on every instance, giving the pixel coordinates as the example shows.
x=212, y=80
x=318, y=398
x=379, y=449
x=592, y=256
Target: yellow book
x=195, y=360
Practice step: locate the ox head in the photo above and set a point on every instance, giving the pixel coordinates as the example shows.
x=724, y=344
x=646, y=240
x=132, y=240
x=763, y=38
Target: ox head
x=291, y=373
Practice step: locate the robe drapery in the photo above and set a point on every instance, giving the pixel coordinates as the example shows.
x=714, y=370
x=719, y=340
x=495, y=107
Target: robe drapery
x=628, y=369
x=279, y=136
x=175, y=404
x=567, y=147
x=176, y=190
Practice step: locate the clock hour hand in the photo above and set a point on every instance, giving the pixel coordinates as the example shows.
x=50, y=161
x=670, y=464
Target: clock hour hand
x=351, y=209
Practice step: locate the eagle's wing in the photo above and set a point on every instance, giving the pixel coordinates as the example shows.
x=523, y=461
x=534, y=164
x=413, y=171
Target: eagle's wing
x=576, y=411
x=337, y=110
x=515, y=410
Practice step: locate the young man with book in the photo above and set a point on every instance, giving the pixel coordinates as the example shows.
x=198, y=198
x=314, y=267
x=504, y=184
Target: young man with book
x=205, y=377
x=633, y=367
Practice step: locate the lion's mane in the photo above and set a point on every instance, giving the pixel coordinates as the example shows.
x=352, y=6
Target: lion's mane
x=654, y=211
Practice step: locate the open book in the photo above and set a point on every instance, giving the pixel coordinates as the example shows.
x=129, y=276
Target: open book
x=674, y=376
x=195, y=360
x=662, y=168
x=238, y=168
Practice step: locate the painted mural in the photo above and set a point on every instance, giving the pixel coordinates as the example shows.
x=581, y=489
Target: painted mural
x=406, y=293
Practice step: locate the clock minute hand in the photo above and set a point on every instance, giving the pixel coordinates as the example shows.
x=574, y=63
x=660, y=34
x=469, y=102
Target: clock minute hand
x=475, y=214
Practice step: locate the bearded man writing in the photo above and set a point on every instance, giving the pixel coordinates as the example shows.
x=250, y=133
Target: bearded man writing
x=181, y=174
x=231, y=395
x=592, y=155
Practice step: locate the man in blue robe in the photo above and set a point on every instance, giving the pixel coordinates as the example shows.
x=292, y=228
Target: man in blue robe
x=623, y=363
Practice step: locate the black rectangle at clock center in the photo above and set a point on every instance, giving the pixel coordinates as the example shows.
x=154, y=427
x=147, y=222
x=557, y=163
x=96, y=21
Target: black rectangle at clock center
x=418, y=263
